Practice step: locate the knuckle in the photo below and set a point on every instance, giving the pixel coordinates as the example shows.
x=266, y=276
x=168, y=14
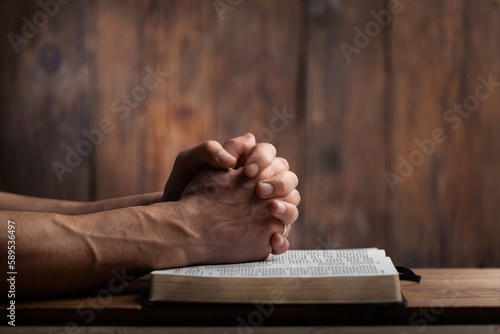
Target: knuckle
x=280, y=184
x=272, y=148
x=293, y=198
x=249, y=136
x=248, y=140
x=292, y=214
x=227, y=143
x=266, y=173
x=210, y=144
x=295, y=214
x=297, y=196
x=283, y=162
x=266, y=147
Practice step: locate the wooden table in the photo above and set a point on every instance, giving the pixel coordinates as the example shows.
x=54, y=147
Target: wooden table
x=444, y=298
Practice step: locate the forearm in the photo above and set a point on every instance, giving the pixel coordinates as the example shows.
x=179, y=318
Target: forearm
x=16, y=202
x=60, y=255
x=119, y=202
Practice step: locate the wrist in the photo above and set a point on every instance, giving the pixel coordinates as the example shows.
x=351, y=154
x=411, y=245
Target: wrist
x=172, y=237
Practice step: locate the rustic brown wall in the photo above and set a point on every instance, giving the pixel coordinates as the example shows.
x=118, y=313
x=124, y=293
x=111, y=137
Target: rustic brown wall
x=359, y=103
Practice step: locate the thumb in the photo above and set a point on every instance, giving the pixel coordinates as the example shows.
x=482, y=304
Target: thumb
x=209, y=153
x=279, y=244
x=189, y=162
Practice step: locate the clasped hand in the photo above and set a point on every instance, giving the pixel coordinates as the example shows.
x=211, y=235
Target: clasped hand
x=240, y=198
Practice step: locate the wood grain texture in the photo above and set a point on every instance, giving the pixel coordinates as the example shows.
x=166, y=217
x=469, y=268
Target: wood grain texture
x=484, y=139
x=439, y=205
x=45, y=96
x=119, y=69
x=161, y=76
x=454, y=288
x=443, y=297
x=345, y=197
x=427, y=77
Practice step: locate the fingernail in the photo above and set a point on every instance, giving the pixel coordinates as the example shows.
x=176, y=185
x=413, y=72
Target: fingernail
x=281, y=242
x=266, y=189
x=252, y=169
x=281, y=208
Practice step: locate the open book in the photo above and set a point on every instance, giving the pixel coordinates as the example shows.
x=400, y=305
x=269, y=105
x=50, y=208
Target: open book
x=298, y=276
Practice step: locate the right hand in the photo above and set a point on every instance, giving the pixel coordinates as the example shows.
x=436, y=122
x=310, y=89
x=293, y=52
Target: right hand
x=229, y=222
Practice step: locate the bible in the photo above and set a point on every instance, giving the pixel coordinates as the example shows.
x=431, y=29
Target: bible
x=342, y=276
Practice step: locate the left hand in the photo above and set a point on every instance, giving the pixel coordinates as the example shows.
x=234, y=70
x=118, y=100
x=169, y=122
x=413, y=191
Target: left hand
x=239, y=151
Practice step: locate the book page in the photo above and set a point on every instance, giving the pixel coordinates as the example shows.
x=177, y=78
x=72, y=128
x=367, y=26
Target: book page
x=300, y=263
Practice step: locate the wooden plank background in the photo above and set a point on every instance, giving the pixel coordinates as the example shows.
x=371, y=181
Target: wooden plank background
x=360, y=103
